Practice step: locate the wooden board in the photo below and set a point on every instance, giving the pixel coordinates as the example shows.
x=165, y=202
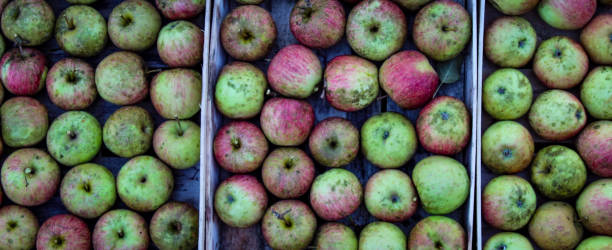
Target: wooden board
x=220, y=236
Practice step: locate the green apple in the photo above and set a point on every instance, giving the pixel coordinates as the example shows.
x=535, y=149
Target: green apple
x=388, y=140
x=144, y=183
x=133, y=25
x=19, y=228
x=289, y=224
x=508, y=202
x=560, y=63
x=557, y=115
x=558, y=172
x=510, y=42
x=175, y=226
x=239, y=92
x=177, y=143
x=555, y=225
x=334, y=235
x=121, y=78
x=128, y=131
x=120, y=229
x=30, y=177
x=24, y=121
x=593, y=207
x=74, y=137
x=514, y=7
x=507, y=147
x=595, y=38
x=596, y=92
x=81, y=31
x=598, y=242
x=28, y=22
x=507, y=94
x=442, y=183
x=382, y=235
x=88, y=190
x=390, y=196
x=334, y=142
x=508, y=241
x=176, y=93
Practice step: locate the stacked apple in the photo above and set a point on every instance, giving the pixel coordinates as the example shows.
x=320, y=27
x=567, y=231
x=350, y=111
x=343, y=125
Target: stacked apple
x=559, y=168
x=276, y=133
x=31, y=176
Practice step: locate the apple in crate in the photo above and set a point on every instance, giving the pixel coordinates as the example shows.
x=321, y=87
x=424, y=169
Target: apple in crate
x=287, y=122
x=558, y=172
x=334, y=142
x=508, y=241
x=121, y=78
x=180, y=9
x=81, y=31
x=388, y=140
x=334, y=235
x=444, y=126
x=240, y=147
x=177, y=143
x=595, y=92
x=88, y=190
x=19, y=227
x=382, y=235
x=390, y=196
x=295, y=71
x=508, y=202
x=240, y=89
x=507, y=147
x=510, y=41
x=317, y=24
x=240, y=201
x=557, y=115
x=507, y=94
x=63, y=231
x=175, y=226
x=180, y=44
x=437, y=232
x=351, y=83
x=144, y=183
x=128, y=131
x=28, y=22
x=133, y=25
x=560, y=63
x=288, y=173
x=595, y=146
x=288, y=224
x=30, y=177
x=332, y=201
x=442, y=183
x=514, y=7
x=555, y=225
x=593, y=207
x=74, y=137
x=248, y=33
x=23, y=71
x=71, y=84
x=567, y=14
x=120, y=229
x=596, y=40
x=598, y=242
x=24, y=121
x=177, y=93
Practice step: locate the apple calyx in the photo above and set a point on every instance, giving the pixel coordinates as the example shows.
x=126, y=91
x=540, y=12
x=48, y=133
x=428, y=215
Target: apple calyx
x=394, y=198
x=175, y=226
x=557, y=53
x=444, y=115
x=385, y=134
x=521, y=43
x=501, y=246
x=57, y=241
x=71, y=134
x=283, y=218
x=289, y=163
x=11, y=225
x=120, y=234
x=507, y=153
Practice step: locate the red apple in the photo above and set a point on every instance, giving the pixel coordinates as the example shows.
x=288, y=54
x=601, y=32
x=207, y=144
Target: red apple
x=23, y=71
x=248, y=32
x=594, y=207
x=180, y=44
x=334, y=142
x=437, y=232
x=295, y=71
x=335, y=194
x=63, y=231
x=180, y=9
x=287, y=122
x=240, y=147
x=567, y=14
x=444, y=126
x=288, y=172
x=317, y=23
x=351, y=83
x=595, y=146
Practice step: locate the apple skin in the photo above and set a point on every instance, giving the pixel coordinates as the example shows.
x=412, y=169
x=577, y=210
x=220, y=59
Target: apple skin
x=596, y=91
x=567, y=14
x=593, y=207
x=88, y=190
x=507, y=94
x=30, y=177
x=508, y=241
x=557, y=115
x=180, y=44
x=144, y=183
x=408, y=78
x=177, y=143
x=287, y=122
x=390, y=196
x=334, y=142
x=510, y=42
x=120, y=229
x=442, y=29
x=176, y=93
x=240, y=147
x=288, y=224
x=555, y=225
x=121, y=78
x=20, y=226
x=376, y=29
x=180, y=9
x=3, y=4
x=560, y=63
x=248, y=33
x=508, y=202
x=24, y=121
x=382, y=235
x=351, y=83
x=287, y=173
x=444, y=126
x=330, y=199
x=558, y=172
x=175, y=226
x=74, y=137
x=388, y=140
x=63, y=231
x=507, y=147
x=318, y=24
x=240, y=201
x=595, y=38
x=442, y=184
x=598, y=242
x=71, y=84
x=595, y=147
x=28, y=22
x=434, y=231
x=240, y=89
x=128, y=131
x=23, y=73
x=295, y=71
x=514, y=7
x=336, y=236
x=133, y=25
x=412, y=5
x=80, y=30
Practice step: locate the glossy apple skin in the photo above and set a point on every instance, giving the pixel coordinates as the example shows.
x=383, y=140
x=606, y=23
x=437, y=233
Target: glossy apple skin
x=444, y=126
x=332, y=201
x=20, y=227
x=351, y=83
x=514, y=7
x=133, y=25
x=23, y=73
x=593, y=207
x=128, y=131
x=442, y=29
x=507, y=147
x=288, y=224
x=240, y=147
x=508, y=202
x=120, y=229
x=144, y=183
x=178, y=145
x=80, y=30
x=248, y=32
x=510, y=42
x=180, y=9
x=334, y=142
x=74, y=137
x=598, y=242
x=596, y=92
x=30, y=177
x=88, y=190
x=177, y=93
x=175, y=226
x=24, y=121
x=437, y=230
x=595, y=38
x=337, y=236
x=29, y=22
x=382, y=235
x=390, y=196
x=507, y=94
x=595, y=146
x=121, y=78
x=408, y=78
x=555, y=225
x=240, y=89
x=287, y=173
x=180, y=44
x=557, y=115
x=63, y=231
x=71, y=84
x=508, y=241
x=295, y=71
x=560, y=63
x=376, y=29
x=442, y=184
x=388, y=140
x=567, y=14
x=240, y=201
x=317, y=24
x=287, y=122
x=558, y=172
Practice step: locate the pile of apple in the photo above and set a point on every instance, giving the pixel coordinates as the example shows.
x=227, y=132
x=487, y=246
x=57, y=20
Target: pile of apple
x=376, y=30
x=30, y=176
x=558, y=172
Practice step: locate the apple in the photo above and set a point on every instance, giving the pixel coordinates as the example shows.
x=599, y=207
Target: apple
x=81, y=1
x=23, y=71
x=510, y=41
x=442, y=184
x=295, y=71
x=408, y=78
x=248, y=33
x=24, y=122
x=180, y=9
x=120, y=229
x=382, y=235
x=376, y=29
x=442, y=29
x=81, y=31
x=177, y=143
x=133, y=25
x=558, y=172
x=593, y=207
x=177, y=93
x=30, y=177
x=240, y=89
x=595, y=147
x=88, y=190
x=287, y=173
x=240, y=201
x=175, y=226
x=19, y=227
x=567, y=14
x=595, y=38
x=444, y=126
x=335, y=194
x=71, y=84
x=121, y=78
x=595, y=92
x=514, y=7
x=507, y=147
x=507, y=94
x=288, y=224
x=28, y=22
x=351, y=83
x=74, y=137
x=180, y=43
x=63, y=231
x=144, y=183
x=388, y=140
x=128, y=131
x=334, y=142
x=286, y=122
x=317, y=23
x=412, y=5
x=508, y=202
x=333, y=235
x=560, y=63
x=508, y=241
x=390, y=196
x=555, y=225
x=557, y=115
x=598, y=242
x=240, y=147
x=437, y=232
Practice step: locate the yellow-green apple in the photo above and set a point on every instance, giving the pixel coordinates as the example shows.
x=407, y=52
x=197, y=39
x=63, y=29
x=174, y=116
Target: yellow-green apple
x=558, y=172
x=317, y=23
x=560, y=63
x=508, y=241
x=177, y=143
x=508, y=202
x=598, y=242
x=444, y=126
x=442, y=184
x=437, y=232
x=557, y=115
x=24, y=121
x=334, y=142
x=133, y=25
x=287, y=122
x=295, y=71
x=176, y=93
x=507, y=94
x=555, y=225
x=593, y=207
x=334, y=235
x=74, y=137
x=351, y=83
x=507, y=147
x=388, y=140
x=120, y=229
x=335, y=194
x=248, y=32
x=390, y=196
x=144, y=183
x=180, y=9
x=240, y=89
x=63, y=231
x=240, y=147
x=595, y=146
x=121, y=78
x=382, y=235
x=175, y=226
x=510, y=42
x=19, y=227
x=80, y=30
x=596, y=92
x=240, y=201
x=88, y=190
x=514, y=7
x=128, y=131
x=289, y=224
x=180, y=44
x=28, y=22
x=71, y=84
x=567, y=14
x=23, y=71
x=30, y=177
x=287, y=172
x=596, y=39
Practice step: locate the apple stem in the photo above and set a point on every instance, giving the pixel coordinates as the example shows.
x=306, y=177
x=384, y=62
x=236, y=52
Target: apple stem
x=18, y=42
x=69, y=23
x=180, y=129
x=271, y=93
x=153, y=71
